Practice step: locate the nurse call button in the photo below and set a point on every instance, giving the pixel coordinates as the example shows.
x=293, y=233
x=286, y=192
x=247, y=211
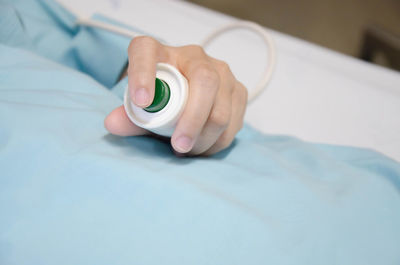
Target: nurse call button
x=161, y=96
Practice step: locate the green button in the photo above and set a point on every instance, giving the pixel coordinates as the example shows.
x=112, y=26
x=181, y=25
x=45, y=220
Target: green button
x=161, y=96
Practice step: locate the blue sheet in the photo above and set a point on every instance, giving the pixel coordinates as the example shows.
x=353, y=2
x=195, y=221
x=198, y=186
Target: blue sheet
x=70, y=193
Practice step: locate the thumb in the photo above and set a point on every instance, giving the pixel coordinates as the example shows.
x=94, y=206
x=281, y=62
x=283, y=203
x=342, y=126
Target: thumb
x=118, y=123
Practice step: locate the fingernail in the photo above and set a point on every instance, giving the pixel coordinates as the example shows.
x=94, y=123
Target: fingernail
x=141, y=97
x=183, y=144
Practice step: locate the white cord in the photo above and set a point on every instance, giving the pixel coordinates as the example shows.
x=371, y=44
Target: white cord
x=266, y=77
x=253, y=93
x=107, y=26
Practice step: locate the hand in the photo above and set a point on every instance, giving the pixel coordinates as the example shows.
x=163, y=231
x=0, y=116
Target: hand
x=216, y=104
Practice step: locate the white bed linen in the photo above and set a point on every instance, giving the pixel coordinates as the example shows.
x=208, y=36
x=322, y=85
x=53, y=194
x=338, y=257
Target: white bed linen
x=316, y=94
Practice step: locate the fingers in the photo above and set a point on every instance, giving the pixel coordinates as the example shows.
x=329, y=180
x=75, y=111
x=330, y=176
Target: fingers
x=204, y=84
x=221, y=112
x=144, y=53
x=239, y=101
x=118, y=123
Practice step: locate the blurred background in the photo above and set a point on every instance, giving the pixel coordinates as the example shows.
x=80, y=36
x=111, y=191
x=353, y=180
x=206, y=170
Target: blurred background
x=368, y=29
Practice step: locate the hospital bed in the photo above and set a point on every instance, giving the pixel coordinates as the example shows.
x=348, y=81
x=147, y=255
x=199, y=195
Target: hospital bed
x=316, y=94
x=71, y=193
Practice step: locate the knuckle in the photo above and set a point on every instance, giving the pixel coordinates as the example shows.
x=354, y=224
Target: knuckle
x=226, y=74
x=142, y=40
x=206, y=75
x=220, y=118
x=243, y=93
x=224, y=141
x=196, y=50
x=223, y=67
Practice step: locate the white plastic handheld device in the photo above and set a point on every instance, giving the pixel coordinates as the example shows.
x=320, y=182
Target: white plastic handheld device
x=171, y=93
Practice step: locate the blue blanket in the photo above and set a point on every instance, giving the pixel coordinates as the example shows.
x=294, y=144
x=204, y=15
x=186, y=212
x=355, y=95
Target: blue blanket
x=70, y=193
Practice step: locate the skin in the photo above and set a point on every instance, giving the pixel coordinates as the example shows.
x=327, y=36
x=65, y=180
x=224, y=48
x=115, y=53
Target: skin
x=215, y=108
